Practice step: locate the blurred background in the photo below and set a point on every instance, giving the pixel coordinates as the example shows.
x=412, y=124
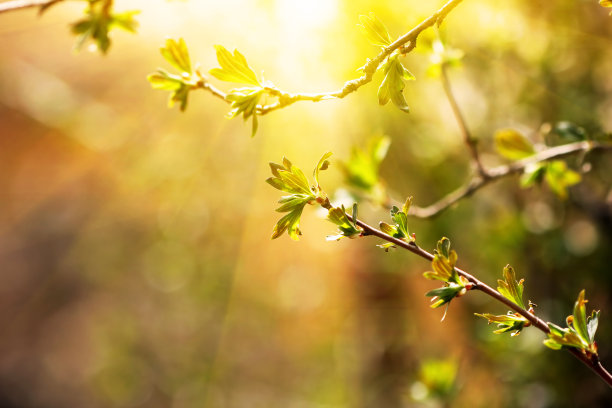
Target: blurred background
x=136, y=267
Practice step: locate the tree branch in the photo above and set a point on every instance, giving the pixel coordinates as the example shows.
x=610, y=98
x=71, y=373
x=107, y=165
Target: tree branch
x=592, y=362
x=21, y=4
x=469, y=140
x=499, y=172
x=405, y=43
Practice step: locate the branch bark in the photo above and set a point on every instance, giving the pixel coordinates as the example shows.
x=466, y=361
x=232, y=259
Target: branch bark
x=496, y=173
x=592, y=362
x=13, y=5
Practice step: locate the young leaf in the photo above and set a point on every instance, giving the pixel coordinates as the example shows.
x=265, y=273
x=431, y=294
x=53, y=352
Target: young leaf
x=177, y=54
x=559, y=177
x=393, y=85
x=513, y=145
x=245, y=100
x=362, y=169
x=234, y=68
x=163, y=80
x=323, y=164
x=374, y=30
x=533, y=173
x=442, y=55
x=346, y=227
x=510, y=287
x=509, y=322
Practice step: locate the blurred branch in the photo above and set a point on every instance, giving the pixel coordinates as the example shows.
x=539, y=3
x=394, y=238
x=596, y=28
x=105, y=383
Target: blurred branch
x=469, y=140
x=405, y=44
x=21, y=4
x=591, y=361
x=499, y=172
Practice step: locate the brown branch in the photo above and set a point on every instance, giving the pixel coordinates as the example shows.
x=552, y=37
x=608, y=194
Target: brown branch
x=499, y=172
x=22, y=4
x=469, y=140
x=590, y=361
x=405, y=44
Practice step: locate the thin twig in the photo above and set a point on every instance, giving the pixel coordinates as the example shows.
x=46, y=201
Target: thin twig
x=499, y=172
x=21, y=4
x=469, y=140
x=592, y=362
x=405, y=43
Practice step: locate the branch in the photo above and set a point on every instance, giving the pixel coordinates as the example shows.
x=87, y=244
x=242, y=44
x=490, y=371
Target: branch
x=592, y=362
x=499, y=172
x=406, y=43
x=21, y=4
x=469, y=140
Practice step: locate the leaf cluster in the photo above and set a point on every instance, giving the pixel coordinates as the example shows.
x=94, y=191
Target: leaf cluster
x=99, y=20
x=580, y=330
x=346, y=227
x=392, y=86
x=290, y=179
x=513, y=145
x=175, y=52
x=399, y=229
x=444, y=270
x=512, y=290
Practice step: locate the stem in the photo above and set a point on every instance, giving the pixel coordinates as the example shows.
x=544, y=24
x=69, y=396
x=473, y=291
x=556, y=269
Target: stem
x=469, y=140
x=369, y=69
x=21, y=4
x=592, y=362
x=499, y=172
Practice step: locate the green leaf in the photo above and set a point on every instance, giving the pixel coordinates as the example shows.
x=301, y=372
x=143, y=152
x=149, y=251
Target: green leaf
x=592, y=323
x=513, y=145
x=559, y=177
x=445, y=294
x=245, y=101
x=393, y=85
x=323, y=164
x=510, y=288
x=362, y=169
x=443, y=264
x=511, y=322
x=346, y=227
x=177, y=54
x=374, y=30
x=569, y=132
x=289, y=178
x=234, y=68
x=533, y=173
x=442, y=55
x=163, y=80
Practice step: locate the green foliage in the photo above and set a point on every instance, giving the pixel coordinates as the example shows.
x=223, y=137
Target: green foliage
x=361, y=171
x=439, y=378
x=580, y=330
x=234, y=68
x=99, y=20
x=346, y=227
x=375, y=30
x=393, y=85
x=177, y=54
x=444, y=270
x=510, y=288
x=399, y=229
x=290, y=179
x=442, y=55
x=513, y=145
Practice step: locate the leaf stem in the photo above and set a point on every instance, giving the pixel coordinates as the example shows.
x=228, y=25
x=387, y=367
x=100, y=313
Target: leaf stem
x=495, y=173
x=21, y=4
x=590, y=361
x=469, y=140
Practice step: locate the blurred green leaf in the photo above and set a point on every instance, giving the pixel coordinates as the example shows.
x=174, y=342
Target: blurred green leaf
x=234, y=68
x=374, y=30
x=513, y=145
x=559, y=177
x=99, y=21
x=165, y=81
x=361, y=171
x=442, y=55
x=510, y=288
x=440, y=378
x=533, y=173
x=393, y=85
x=177, y=54
x=569, y=132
